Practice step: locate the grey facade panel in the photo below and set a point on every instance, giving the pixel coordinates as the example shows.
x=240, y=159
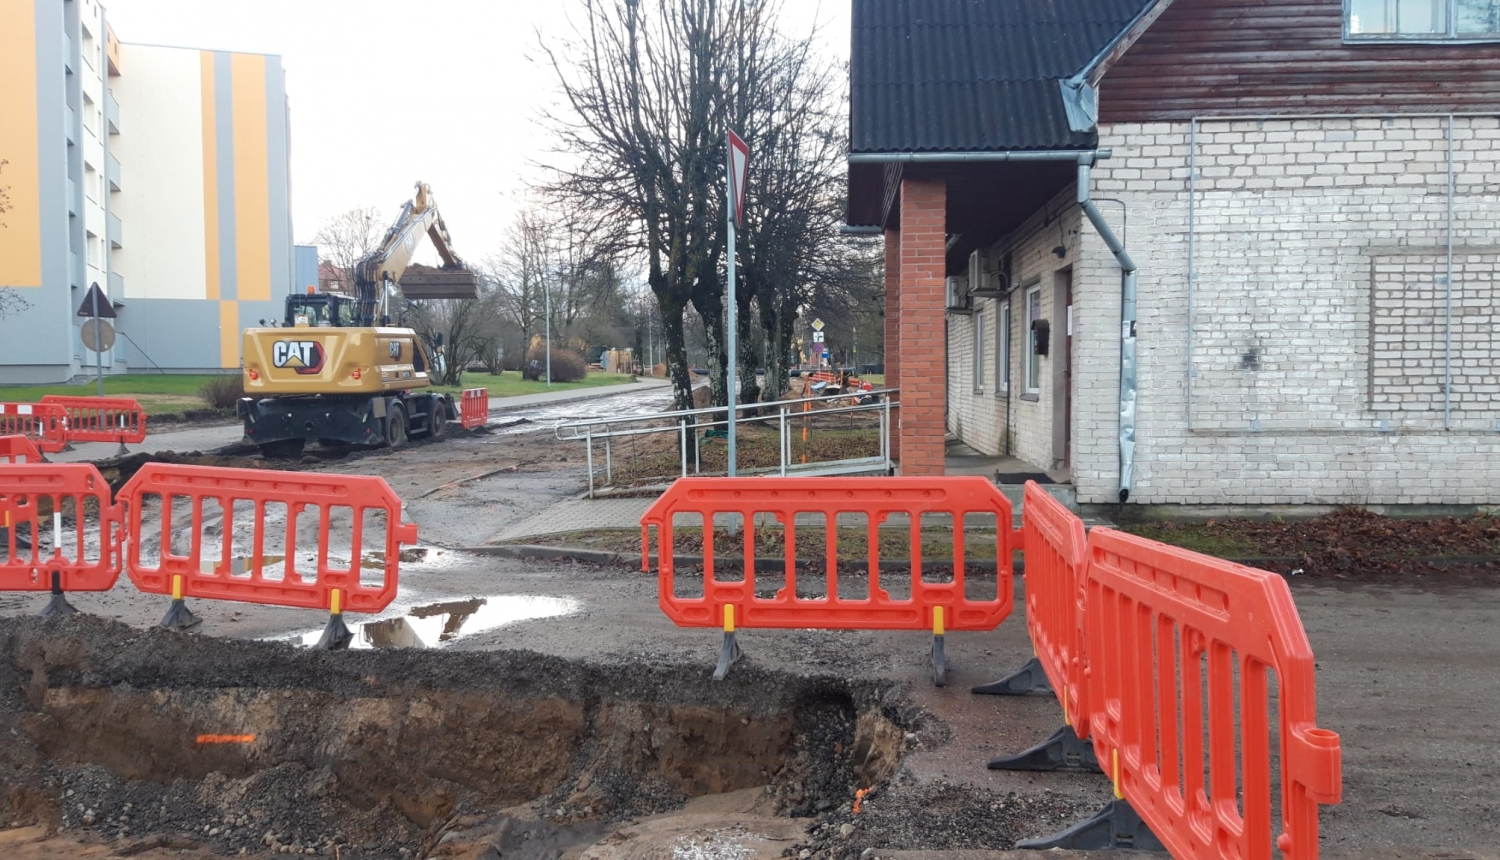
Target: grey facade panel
x=307, y=268
x=224, y=139
x=182, y=334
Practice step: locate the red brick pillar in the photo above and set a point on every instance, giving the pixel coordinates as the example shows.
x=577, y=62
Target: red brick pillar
x=923, y=344
x=893, y=327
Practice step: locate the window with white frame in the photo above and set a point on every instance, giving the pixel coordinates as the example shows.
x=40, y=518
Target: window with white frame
x=1421, y=20
x=978, y=351
x=1002, y=348
x=1033, y=361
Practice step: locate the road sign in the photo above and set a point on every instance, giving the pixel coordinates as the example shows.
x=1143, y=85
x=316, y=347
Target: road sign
x=817, y=337
x=106, y=310
x=739, y=162
x=817, y=325
x=98, y=335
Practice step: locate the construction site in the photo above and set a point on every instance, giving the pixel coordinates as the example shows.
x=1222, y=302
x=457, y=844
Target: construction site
x=519, y=698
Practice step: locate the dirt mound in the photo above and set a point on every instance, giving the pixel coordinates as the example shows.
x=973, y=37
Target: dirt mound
x=257, y=745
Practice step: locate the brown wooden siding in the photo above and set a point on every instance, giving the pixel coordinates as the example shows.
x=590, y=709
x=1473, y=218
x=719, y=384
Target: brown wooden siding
x=1206, y=57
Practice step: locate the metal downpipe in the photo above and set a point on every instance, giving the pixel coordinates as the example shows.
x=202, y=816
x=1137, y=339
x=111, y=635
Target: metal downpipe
x=1127, y=265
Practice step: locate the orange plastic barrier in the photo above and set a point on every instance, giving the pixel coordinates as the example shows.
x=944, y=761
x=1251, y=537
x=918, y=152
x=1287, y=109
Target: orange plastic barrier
x=283, y=522
x=1164, y=625
x=78, y=553
x=1054, y=547
x=45, y=424
x=736, y=597
x=102, y=419
x=18, y=449
x=475, y=407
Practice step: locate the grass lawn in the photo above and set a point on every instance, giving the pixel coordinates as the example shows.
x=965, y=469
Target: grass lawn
x=511, y=384
x=159, y=393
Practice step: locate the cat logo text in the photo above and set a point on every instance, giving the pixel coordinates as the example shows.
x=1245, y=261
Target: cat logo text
x=303, y=356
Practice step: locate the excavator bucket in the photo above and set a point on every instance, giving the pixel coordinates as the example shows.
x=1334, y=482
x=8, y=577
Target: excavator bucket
x=419, y=283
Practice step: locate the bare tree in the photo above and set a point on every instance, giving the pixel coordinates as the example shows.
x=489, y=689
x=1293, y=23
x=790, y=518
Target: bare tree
x=347, y=238
x=646, y=83
x=653, y=84
x=11, y=301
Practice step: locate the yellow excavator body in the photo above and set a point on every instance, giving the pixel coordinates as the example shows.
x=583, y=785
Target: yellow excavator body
x=329, y=360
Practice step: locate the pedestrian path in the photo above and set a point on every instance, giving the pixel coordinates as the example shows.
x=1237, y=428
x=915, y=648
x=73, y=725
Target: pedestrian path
x=521, y=401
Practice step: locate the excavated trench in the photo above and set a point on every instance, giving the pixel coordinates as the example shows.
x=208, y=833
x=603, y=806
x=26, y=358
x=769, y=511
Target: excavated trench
x=259, y=746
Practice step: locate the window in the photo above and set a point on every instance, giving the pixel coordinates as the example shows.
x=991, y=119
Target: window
x=1033, y=361
x=978, y=351
x=1002, y=350
x=1422, y=20
x=96, y=251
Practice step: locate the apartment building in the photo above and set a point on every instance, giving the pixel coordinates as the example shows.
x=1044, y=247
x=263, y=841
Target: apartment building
x=158, y=173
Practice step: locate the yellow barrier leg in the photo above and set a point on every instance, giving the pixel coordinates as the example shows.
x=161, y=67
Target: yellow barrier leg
x=179, y=617
x=336, y=636
x=939, y=656
x=729, y=650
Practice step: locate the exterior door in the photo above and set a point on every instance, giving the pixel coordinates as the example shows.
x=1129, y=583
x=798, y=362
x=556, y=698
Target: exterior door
x=1062, y=373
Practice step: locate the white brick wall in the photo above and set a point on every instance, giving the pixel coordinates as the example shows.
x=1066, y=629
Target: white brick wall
x=1318, y=331
x=1016, y=422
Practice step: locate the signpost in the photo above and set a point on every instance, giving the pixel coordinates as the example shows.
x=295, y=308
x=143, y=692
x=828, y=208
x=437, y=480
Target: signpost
x=735, y=165
x=97, y=335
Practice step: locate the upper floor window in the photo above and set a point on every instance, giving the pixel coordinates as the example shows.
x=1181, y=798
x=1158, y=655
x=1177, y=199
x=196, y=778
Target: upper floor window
x=1421, y=20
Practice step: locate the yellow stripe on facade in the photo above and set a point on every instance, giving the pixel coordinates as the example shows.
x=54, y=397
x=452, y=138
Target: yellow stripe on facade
x=229, y=334
x=252, y=178
x=21, y=233
x=210, y=182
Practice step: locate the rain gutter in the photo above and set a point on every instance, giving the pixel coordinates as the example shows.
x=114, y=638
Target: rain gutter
x=1127, y=325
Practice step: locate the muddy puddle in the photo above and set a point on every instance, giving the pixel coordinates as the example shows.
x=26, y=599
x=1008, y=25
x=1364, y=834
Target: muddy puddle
x=439, y=624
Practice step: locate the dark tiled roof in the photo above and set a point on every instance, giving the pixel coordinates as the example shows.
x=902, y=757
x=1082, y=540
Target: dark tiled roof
x=973, y=75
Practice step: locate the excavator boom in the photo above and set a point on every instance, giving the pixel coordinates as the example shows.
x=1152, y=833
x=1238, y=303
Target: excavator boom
x=388, y=264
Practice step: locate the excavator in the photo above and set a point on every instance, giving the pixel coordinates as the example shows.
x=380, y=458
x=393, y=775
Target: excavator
x=338, y=371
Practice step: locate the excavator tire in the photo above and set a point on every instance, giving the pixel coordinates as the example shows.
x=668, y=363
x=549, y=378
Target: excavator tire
x=395, y=427
x=439, y=423
x=286, y=449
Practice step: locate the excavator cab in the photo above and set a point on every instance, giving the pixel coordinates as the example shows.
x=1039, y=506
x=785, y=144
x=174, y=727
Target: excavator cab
x=319, y=310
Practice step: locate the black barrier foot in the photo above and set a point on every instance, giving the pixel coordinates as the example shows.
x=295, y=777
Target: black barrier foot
x=939, y=663
x=1028, y=679
x=179, y=617
x=1063, y=751
x=1115, y=827
x=336, y=636
x=729, y=654
x=59, y=604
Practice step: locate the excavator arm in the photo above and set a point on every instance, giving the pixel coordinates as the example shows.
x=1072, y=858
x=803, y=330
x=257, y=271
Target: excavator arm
x=388, y=263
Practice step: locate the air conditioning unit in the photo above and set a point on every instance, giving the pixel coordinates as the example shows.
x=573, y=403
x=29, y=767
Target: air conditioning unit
x=985, y=278
x=959, y=300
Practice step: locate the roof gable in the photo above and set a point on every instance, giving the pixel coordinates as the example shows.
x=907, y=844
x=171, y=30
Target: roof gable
x=973, y=75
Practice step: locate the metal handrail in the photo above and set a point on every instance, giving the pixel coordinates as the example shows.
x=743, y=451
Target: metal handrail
x=588, y=423
x=587, y=431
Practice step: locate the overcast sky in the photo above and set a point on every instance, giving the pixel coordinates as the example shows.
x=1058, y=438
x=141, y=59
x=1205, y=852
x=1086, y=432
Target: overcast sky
x=384, y=93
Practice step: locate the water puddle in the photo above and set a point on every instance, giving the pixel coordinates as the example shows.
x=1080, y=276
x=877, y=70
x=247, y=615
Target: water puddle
x=439, y=624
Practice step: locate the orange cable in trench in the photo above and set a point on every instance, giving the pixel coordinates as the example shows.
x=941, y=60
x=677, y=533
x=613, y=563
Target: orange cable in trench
x=226, y=739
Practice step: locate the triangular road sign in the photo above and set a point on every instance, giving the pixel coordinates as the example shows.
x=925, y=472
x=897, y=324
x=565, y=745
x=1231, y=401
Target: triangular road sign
x=739, y=161
x=106, y=310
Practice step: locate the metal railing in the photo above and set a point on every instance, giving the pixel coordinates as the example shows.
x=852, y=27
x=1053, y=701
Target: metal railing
x=685, y=421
